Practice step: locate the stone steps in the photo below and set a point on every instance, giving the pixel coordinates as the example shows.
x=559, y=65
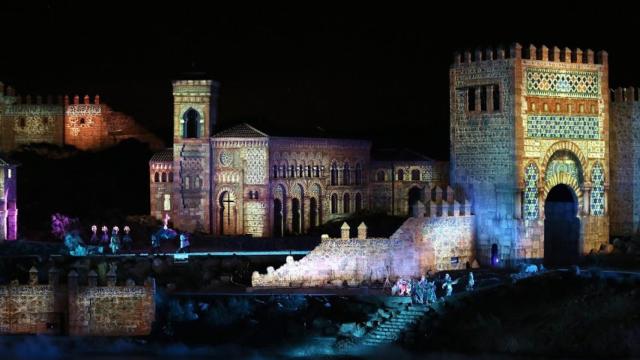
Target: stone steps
x=399, y=325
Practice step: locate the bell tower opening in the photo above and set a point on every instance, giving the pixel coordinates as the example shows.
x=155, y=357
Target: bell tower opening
x=191, y=120
x=561, y=226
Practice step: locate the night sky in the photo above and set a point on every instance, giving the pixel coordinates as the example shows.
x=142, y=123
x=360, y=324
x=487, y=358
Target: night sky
x=365, y=72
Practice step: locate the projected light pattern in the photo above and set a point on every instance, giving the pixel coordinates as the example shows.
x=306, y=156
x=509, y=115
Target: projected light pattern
x=531, y=192
x=597, y=192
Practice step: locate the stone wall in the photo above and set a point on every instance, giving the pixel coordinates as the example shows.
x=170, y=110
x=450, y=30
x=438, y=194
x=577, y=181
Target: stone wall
x=419, y=245
x=625, y=163
x=91, y=310
x=32, y=308
x=110, y=310
x=86, y=124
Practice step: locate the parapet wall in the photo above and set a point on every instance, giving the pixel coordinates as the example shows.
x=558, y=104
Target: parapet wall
x=419, y=245
x=90, y=310
x=532, y=52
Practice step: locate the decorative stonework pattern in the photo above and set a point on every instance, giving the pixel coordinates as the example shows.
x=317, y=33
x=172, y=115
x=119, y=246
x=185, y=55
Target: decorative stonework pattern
x=81, y=116
x=531, y=192
x=563, y=127
x=33, y=125
x=256, y=166
x=597, y=192
x=562, y=83
x=255, y=217
x=226, y=158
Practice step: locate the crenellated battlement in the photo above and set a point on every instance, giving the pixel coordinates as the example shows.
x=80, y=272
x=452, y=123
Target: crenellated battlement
x=8, y=91
x=86, y=100
x=543, y=53
x=625, y=94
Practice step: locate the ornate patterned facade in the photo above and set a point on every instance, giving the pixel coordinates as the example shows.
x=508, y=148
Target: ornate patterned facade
x=87, y=125
x=8, y=201
x=521, y=126
x=244, y=181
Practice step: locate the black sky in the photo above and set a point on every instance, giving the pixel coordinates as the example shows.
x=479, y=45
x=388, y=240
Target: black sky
x=368, y=72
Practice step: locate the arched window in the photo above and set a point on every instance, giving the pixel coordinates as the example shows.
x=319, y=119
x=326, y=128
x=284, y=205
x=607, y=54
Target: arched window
x=255, y=195
x=187, y=183
x=358, y=202
x=275, y=171
x=300, y=171
x=334, y=204
x=22, y=123
x=346, y=203
x=283, y=171
x=358, y=174
x=191, y=124
x=317, y=171
x=308, y=170
x=380, y=176
x=164, y=177
x=171, y=176
x=346, y=175
x=400, y=175
x=292, y=171
x=198, y=182
x=250, y=194
x=415, y=175
x=334, y=174
x=156, y=177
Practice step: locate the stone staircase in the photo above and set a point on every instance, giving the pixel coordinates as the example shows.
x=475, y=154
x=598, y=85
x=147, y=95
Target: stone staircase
x=398, y=327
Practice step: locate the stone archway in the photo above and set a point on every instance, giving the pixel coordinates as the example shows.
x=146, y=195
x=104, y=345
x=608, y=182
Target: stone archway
x=561, y=226
x=414, y=195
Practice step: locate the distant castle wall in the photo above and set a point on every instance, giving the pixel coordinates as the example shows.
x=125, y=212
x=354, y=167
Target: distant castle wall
x=84, y=123
x=91, y=310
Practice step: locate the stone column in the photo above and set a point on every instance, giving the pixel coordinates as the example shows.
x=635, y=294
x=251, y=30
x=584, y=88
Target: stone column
x=586, y=199
x=490, y=98
x=478, y=99
x=288, y=215
x=540, y=203
x=306, y=213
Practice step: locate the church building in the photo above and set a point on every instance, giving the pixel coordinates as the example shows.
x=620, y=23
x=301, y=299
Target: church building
x=243, y=181
x=8, y=201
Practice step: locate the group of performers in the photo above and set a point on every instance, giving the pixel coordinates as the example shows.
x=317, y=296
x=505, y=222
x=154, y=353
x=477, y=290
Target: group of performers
x=423, y=291
x=115, y=241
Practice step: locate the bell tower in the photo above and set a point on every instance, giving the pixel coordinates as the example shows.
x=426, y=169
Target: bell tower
x=194, y=119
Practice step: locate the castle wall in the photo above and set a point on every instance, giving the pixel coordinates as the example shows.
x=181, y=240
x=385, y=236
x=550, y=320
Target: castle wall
x=88, y=125
x=625, y=163
x=483, y=144
x=111, y=310
x=419, y=245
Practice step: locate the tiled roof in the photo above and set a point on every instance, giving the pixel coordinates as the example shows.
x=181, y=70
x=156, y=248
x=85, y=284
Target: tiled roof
x=165, y=155
x=243, y=130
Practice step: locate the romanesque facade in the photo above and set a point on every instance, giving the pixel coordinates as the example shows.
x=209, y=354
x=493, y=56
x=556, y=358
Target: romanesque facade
x=86, y=124
x=244, y=181
x=8, y=201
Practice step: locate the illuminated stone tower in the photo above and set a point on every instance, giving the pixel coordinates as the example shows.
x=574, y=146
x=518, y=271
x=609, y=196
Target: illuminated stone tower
x=530, y=134
x=194, y=117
